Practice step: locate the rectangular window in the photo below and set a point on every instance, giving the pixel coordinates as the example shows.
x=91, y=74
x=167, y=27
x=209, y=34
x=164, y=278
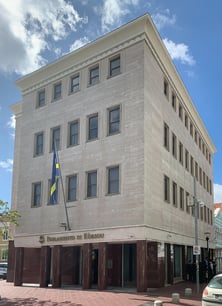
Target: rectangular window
x=4, y=254
x=4, y=234
x=73, y=136
x=187, y=160
x=93, y=127
x=166, y=88
x=201, y=213
x=75, y=86
x=174, y=194
x=94, y=75
x=200, y=176
x=181, y=153
x=166, y=136
x=204, y=180
x=36, y=194
x=57, y=93
x=114, y=66
x=196, y=170
x=195, y=136
x=114, y=121
x=191, y=165
x=174, y=145
x=91, y=184
x=38, y=144
x=173, y=100
x=181, y=112
x=186, y=120
x=72, y=188
x=41, y=98
x=55, y=138
x=191, y=129
x=205, y=214
x=166, y=189
x=181, y=198
x=113, y=180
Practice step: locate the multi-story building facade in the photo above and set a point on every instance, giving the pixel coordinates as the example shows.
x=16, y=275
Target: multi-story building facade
x=130, y=143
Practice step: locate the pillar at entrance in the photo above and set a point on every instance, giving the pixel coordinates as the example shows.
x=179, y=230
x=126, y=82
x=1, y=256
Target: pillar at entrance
x=56, y=274
x=141, y=254
x=44, y=266
x=19, y=261
x=102, y=266
x=87, y=264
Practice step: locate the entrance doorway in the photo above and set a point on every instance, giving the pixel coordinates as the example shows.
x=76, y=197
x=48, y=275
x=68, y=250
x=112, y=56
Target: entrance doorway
x=128, y=265
x=95, y=267
x=177, y=263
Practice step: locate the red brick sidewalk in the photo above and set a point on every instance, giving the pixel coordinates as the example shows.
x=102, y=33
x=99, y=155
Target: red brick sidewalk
x=34, y=296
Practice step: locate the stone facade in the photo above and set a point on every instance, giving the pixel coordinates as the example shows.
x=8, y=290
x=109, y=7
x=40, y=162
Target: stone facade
x=137, y=220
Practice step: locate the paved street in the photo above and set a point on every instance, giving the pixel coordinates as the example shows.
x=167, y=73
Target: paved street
x=70, y=296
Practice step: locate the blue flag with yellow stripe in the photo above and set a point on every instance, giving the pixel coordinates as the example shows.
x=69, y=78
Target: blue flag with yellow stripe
x=54, y=181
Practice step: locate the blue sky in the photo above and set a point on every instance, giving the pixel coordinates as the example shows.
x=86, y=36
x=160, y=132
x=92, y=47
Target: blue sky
x=34, y=33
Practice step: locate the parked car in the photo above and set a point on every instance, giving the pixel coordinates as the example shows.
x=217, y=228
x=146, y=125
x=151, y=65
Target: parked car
x=212, y=293
x=3, y=270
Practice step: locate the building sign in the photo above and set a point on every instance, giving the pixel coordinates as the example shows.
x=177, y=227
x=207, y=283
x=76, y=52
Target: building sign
x=84, y=236
x=196, y=250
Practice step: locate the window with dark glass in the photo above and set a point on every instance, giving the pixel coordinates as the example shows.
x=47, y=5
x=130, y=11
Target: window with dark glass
x=57, y=91
x=186, y=120
x=55, y=138
x=114, y=66
x=114, y=121
x=181, y=153
x=93, y=127
x=91, y=184
x=181, y=112
x=166, y=189
x=36, y=200
x=166, y=136
x=174, y=194
x=73, y=133
x=166, y=88
x=38, y=144
x=94, y=75
x=174, y=145
x=75, y=83
x=41, y=98
x=187, y=160
x=113, y=180
x=181, y=198
x=72, y=188
x=174, y=101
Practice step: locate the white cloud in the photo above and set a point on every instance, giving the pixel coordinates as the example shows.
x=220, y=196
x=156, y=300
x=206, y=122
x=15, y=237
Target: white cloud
x=113, y=11
x=11, y=125
x=179, y=52
x=162, y=20
x=217, y=193
x=7, y=164
x=79, y=43
x=29, y=27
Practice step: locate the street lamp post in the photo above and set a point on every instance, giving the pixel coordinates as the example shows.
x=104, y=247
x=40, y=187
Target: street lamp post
x=207, y=234
x=196, y=235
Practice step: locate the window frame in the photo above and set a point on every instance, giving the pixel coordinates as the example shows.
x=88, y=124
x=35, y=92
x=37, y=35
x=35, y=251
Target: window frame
x=41, y=102
x=166, y=194
x=70, y=190
x=89, y=187
x=73, y=135
x=36, y=194
x=38, y=152
x=93, y=80
x=116, y=68
x=89, y=129
x=116, y=181
x=74, y=86
x=166, y=137
x=53, y=140
x=110, y=123
x=57, y=95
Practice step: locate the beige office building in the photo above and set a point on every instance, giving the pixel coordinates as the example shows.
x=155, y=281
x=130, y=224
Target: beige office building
x=130, y=143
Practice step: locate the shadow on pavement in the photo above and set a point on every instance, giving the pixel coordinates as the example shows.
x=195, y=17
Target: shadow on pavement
x=33, y=302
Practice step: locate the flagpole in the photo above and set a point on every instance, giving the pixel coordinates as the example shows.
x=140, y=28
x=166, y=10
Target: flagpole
x=63, y=193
